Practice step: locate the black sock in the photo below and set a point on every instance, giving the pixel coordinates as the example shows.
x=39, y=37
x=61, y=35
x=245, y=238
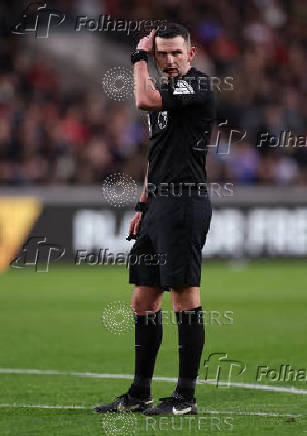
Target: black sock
x=148, y=337
x=191, y=341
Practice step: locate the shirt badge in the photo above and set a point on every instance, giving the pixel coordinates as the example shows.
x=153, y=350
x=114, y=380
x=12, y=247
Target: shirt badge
x=183, y=88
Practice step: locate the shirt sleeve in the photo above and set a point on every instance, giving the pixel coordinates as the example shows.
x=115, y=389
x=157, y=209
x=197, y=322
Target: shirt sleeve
x=185, y=92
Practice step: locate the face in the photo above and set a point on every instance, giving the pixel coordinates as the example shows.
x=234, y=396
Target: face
x=173, y=55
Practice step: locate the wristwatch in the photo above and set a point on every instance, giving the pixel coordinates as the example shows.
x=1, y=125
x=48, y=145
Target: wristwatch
x=139, y=55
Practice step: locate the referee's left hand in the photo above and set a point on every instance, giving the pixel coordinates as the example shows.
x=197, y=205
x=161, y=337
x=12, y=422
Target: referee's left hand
x=135, y=224
x=146, y=43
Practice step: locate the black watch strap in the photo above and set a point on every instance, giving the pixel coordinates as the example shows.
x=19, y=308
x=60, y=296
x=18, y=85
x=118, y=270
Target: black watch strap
x=140, y=206
x=139, y=55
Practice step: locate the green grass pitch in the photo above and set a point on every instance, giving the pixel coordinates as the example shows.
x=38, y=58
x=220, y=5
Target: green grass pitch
x=53, y=321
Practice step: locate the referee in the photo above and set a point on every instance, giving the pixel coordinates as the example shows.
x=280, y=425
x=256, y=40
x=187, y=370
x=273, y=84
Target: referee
x=172, y=218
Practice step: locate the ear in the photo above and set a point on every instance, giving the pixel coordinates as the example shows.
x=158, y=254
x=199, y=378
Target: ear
x=192, y=52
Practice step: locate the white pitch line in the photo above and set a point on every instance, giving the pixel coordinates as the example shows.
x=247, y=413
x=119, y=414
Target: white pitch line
x=271, y=415
x=203, y=411
x=290, y=390
x=40, y=406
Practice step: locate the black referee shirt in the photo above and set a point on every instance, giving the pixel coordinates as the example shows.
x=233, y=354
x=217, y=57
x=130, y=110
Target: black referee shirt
x=180, y=132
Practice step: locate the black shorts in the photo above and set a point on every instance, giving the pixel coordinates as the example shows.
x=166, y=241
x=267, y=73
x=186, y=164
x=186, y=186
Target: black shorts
x=167, y=252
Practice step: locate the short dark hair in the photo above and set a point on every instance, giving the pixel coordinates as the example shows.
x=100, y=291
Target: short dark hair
x=171, y=30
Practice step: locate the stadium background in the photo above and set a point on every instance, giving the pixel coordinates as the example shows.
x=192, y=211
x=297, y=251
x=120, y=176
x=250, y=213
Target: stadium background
x=63, y=132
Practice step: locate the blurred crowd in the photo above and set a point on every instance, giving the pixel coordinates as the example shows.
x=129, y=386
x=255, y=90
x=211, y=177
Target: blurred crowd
x=49, y=135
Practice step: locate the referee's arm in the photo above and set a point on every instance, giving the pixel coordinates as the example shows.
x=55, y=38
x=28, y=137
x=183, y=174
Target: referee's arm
x=146, y=96
x=144, y=194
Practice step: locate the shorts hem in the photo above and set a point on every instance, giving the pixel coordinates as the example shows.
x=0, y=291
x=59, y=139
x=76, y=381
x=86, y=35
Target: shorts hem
x=163, y=286
x=182, y=285
x=145, y=283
